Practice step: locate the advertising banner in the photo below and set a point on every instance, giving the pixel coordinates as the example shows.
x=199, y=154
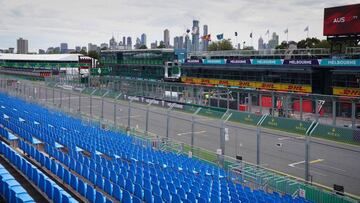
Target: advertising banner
x=342, y=20
x=351, y=92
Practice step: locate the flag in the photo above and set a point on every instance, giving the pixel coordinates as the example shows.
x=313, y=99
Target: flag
x=206, y=37
x=286, y=31
x=220, y=36
x=306, y=29
x=236, y=34
x=250, y=34
x=188, y=30
x=267, y=32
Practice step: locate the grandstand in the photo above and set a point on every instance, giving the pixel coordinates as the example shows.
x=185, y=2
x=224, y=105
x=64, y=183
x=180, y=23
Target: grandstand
x=44, y=65
x=71, y=161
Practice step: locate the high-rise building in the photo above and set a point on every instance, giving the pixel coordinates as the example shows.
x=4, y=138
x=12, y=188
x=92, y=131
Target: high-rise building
x=181, y=42
x=77, y=48
x=176, y=42
x=143, y=39
x=112, y=43
x=205, y=43
x=22, y=46
x=187, y=43
x=137, y=43
x=129, y=43
x=84, y=49
x=92, y=47
x=11, y=50
x=41, y=51
x=154, y=45
x=274, y=41
x=167, y=38
x=104, y=46
x=195, y=36
x=261, y=44
x=63, y=48
x=124, y=41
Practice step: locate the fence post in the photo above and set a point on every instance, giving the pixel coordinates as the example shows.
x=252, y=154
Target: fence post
x=308, y=133
x=334, y=112
x=301, y=108
x=238, y=100
x=353, y=116
x=168, y=119
x=273, y=104
x=249, y=102
x=129, y=114
x=53, y=95
x=193, y=127
x=227, y=99
x=147, y=117
x=91, y=102
x=258, y=138
x=69, y=101
x=46, y=95
x=79, y=110
x=102, y=105
x=60, y=98
x=115, y=110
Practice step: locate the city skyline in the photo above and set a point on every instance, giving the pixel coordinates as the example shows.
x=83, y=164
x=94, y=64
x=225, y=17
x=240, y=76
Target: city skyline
x=42, y=22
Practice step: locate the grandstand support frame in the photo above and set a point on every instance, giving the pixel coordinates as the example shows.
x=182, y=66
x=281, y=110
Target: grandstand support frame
x=353, y=39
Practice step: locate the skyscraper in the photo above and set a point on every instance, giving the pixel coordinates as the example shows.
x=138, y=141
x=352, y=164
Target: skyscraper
x=124, y=41
x=22, y=46
x=112, y=43
x=143, y=39
x=63, y=48
x=154, y=45
x=181, y=42
x=167, y=38
x=195, y=35
x=261, y=44
x=205, y=43
x=187, y=43
x=77, y=48
x=129, y=43
x=176, y=42
x=137, y=43
x=274, y=41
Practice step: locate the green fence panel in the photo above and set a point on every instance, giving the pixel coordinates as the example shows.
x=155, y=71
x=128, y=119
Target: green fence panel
x=285, y=124
x=339, y=134
x=244, y=117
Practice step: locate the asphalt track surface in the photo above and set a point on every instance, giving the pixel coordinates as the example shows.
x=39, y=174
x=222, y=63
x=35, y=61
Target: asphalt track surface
x=330, y=162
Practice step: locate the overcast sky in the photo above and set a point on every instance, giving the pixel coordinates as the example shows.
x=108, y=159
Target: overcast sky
x=48, y=23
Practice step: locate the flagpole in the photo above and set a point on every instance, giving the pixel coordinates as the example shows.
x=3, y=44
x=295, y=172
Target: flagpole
x=252, y=38
x=287, y=37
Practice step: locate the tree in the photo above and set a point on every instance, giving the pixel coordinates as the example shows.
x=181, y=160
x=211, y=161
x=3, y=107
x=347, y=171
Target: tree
x=220, y=45
x=83, y=52
x=283, y=45
x=161, y=46
x=143, y=46
x=93, y=54
x=308, y=43
x=323, y=44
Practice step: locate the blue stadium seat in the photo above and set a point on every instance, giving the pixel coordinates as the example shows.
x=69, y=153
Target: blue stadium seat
x=126, y=197
x=99, y=198
x=117, y=192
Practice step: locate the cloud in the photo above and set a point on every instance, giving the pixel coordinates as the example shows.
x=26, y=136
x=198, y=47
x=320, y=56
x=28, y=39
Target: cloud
x=48, y=23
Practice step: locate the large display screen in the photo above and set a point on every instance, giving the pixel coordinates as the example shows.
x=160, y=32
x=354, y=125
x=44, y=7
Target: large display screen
x=342, y=20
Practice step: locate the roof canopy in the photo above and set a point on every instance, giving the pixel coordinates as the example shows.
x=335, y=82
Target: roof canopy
x=41, y=57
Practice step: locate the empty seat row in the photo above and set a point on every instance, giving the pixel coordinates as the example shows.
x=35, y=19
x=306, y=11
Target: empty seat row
x=42, y=181
x=11, y=190
x=76, y=183
x=121, y=165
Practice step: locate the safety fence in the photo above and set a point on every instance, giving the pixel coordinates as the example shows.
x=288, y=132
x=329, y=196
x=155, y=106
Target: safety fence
x=207, y=133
